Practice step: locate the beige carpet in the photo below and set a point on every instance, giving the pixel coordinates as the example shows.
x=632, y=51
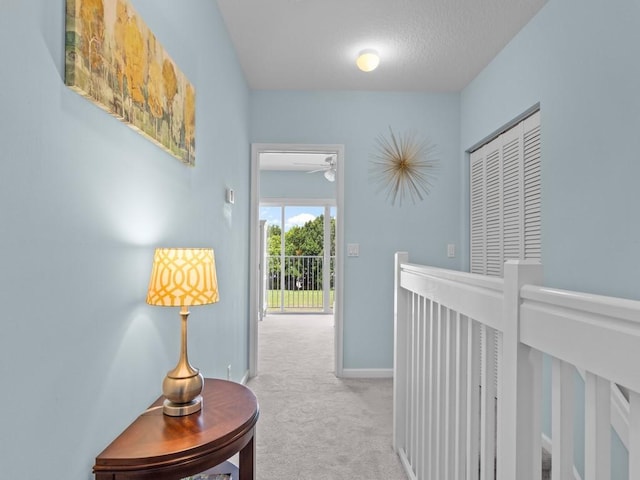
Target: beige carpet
x=314, y=426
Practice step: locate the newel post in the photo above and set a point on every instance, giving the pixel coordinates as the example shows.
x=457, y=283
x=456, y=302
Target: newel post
x=519, y=397
x=400, y=313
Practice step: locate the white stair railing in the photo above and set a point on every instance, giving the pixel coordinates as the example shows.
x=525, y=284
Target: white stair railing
x=460, y=404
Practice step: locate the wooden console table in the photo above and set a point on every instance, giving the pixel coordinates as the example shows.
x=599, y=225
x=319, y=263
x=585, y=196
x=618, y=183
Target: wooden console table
x=159, y=447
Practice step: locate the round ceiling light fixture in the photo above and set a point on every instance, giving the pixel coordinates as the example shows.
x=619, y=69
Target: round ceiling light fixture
x=368, y=60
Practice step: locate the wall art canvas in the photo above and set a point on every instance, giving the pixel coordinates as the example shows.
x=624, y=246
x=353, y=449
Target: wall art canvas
x=113, y=59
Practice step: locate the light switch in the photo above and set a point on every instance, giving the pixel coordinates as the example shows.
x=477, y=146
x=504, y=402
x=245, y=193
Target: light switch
x=353, y=249
x=230, y=196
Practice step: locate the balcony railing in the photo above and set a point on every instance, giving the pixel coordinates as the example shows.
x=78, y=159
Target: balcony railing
x=296, y=284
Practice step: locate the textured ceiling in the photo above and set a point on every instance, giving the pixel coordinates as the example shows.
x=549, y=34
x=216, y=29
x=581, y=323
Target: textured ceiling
x=424, y=45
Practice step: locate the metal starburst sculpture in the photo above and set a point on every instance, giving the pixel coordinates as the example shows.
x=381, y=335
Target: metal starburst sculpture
x=403, y=167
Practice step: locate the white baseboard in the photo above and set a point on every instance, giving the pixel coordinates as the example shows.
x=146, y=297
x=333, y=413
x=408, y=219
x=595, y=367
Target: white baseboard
x=245, y=378
x=367, y=373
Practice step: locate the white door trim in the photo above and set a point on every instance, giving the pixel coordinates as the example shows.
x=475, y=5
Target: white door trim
x=256, y=150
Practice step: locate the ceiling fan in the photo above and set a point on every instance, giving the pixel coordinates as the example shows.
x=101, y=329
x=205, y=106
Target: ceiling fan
x=329, y=169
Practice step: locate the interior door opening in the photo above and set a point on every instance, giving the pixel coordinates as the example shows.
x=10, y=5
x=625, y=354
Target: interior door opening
x=296, y=255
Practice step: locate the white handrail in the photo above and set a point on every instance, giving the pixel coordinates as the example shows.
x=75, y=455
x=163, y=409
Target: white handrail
x=467, y=293
x=596, y=333
x=612, y=307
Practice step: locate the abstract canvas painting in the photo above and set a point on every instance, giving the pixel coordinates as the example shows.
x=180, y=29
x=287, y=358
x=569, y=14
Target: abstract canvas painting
x=113, y=59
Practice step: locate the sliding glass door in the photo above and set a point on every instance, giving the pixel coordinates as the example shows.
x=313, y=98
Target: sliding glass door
x=299, y=258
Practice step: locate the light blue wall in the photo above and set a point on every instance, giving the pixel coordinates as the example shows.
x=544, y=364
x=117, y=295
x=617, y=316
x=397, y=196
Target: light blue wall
x=84, y=200
x=280, y=184
x=581, y=61
x=355, y=119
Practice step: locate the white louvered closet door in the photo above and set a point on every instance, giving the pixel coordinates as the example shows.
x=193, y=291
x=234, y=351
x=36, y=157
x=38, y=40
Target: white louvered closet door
x=532, y=188
x=505, y=198
x=505, y=224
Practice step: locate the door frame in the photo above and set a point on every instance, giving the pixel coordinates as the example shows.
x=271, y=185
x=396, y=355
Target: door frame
x=254, y=254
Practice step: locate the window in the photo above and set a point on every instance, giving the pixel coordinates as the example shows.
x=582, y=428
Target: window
x=506, y=198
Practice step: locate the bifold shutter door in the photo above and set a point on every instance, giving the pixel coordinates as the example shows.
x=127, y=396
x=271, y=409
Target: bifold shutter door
x=532, y=188
x=512, y=195
x=477, y=213
x=505, y=198
x=493, y=181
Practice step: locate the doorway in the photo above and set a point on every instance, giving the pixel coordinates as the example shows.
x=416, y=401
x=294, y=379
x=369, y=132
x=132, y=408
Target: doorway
x=294, y=283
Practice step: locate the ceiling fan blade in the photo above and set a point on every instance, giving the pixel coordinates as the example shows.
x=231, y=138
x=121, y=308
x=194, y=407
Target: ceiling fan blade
x=329, y=160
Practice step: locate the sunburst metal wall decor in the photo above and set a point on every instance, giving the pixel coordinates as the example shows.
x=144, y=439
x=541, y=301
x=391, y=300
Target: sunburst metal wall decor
x=403, y=166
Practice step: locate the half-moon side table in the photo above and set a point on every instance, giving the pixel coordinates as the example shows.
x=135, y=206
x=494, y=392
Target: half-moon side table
x=156, y=446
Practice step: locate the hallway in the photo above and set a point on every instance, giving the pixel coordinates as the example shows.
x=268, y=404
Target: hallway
x=314, y=426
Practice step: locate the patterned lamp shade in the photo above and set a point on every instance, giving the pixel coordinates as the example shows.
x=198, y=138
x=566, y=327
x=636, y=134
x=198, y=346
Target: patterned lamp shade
x=183, y=277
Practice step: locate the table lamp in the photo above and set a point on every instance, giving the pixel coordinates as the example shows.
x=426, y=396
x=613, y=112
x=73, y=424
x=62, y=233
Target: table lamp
x=182, y=277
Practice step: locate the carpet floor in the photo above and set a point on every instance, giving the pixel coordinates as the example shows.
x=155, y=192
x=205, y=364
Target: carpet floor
x=314, y=426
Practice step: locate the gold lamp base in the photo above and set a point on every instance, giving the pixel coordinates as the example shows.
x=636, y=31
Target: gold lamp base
x=183, y=385
x=180, y=409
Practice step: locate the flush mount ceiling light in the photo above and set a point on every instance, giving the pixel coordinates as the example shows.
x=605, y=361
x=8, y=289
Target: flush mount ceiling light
x=368, y=60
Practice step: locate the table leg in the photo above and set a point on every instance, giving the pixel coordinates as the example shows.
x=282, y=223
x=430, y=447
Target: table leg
x=248, y=460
